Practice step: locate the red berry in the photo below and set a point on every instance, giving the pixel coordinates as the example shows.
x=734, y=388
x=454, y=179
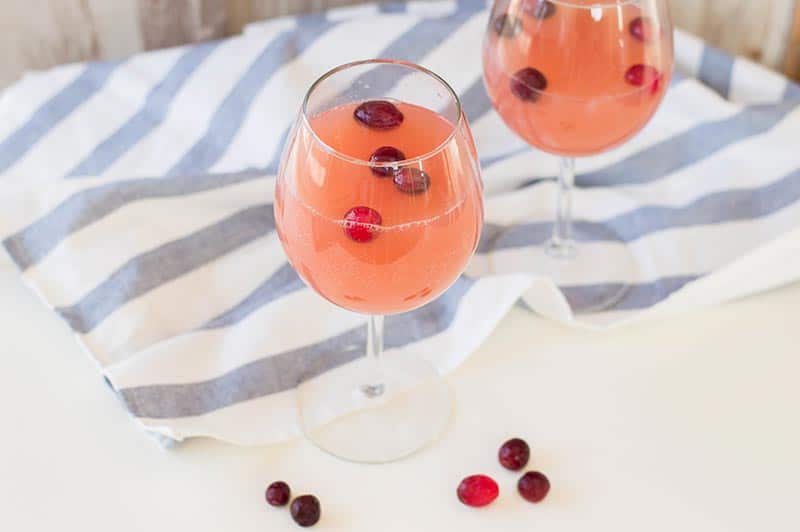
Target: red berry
x=378, y=114
x=278, y=493
x=642, y=75
x=540, y=9
x=514, y=454
x=305, y=510
x=412, y=181
x=642, y=28
x=386, y=154
x=533, y=486
x=526, y=84
x=477, y=491
x=361, y=223
x=506, y=26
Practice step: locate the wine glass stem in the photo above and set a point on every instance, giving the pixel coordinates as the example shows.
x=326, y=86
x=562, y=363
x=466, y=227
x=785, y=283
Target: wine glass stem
x=561, y=244
x=375, y=388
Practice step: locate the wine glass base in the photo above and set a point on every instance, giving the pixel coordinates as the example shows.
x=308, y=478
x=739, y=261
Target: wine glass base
x=570, y=263
x=338, y=415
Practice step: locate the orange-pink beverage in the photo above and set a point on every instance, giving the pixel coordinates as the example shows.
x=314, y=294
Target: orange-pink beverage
x=602, y=71
x=424, y=239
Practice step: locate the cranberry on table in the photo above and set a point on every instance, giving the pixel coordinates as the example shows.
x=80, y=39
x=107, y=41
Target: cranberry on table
x=506, y=25
x=477, y=491
x=361, y=223
x=642, y=29
x=412, y=181
x=540, y=9
x=379, y=114
x=278, y=493
x=533, y=486
x=514, y=454
x=526, y=84
x=386, y=154
x=305, y=510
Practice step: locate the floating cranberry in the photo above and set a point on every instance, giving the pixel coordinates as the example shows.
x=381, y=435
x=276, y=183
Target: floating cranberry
x=506, y=25
x=361, y=223
x=641, y=75
x=412, y=181
x=656, y=85
x=278, y=493
x=642, y=28
x=386, y=154
x=378, y=114
x=540, y=9
x=533, y=486
x=305, y=510
x=526, y=84
x=477, y=490
x=514, y=454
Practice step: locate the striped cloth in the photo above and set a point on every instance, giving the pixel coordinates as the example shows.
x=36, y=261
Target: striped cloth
x=136, y=200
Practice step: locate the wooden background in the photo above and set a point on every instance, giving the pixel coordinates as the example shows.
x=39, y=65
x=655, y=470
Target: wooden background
x=36, y=34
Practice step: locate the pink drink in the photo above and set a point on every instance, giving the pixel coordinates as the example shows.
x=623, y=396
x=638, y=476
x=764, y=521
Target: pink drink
x=605, y=72
x=424, y=239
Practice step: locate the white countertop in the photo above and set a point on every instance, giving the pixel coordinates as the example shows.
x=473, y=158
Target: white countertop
x=686, y=424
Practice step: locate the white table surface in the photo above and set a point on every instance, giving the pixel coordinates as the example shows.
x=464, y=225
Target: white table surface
x=686, y=424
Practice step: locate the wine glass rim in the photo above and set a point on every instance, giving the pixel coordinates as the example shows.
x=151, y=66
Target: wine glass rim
x=389, y=164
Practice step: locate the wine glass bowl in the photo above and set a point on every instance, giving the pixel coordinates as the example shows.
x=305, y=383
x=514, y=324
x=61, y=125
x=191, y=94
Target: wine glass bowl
x=378, y=221
x=583, y=78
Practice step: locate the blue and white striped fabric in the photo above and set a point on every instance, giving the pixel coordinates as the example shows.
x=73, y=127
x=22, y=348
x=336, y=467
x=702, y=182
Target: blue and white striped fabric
x=136, y=200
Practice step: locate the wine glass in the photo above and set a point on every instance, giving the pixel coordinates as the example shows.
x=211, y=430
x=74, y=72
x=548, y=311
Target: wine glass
x=378, y=207
x=576, y=78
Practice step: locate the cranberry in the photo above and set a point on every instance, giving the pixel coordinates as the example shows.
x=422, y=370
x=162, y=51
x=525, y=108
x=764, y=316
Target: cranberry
x=533, y=486
x=305, y=510
x=640, y=75
x=412, y=181
x=278, y=493
x=386, y=154
x=540, y=9
x=360, y=223
x=477, y=490
x=378, y=114
x=506, y=26
x=526, y=83
x=656, y=85
x=642, y=29
x=514, y=454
